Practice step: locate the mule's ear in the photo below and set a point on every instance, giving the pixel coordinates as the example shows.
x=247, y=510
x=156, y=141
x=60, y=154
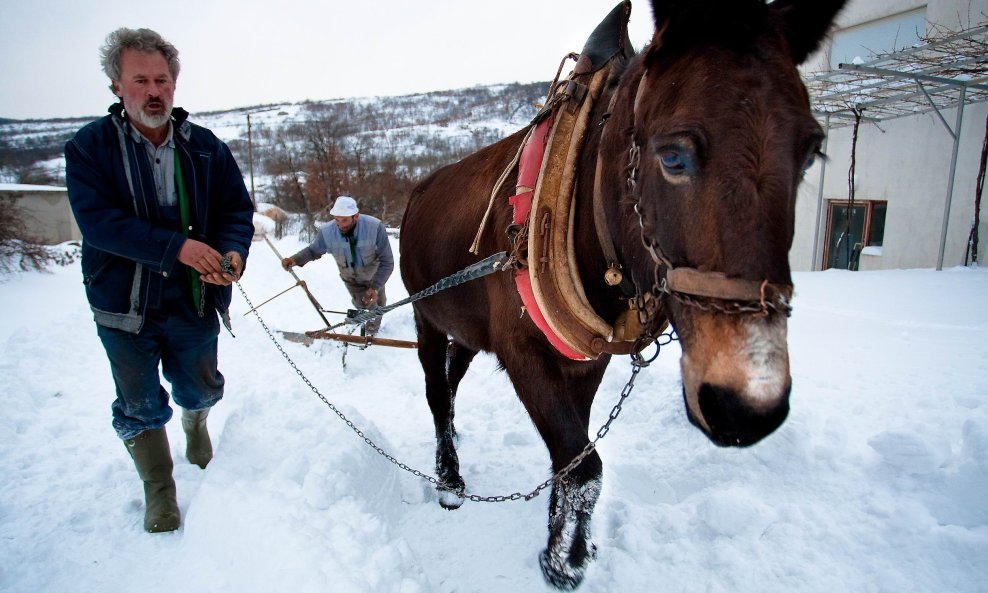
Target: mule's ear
x=662, y=11
x=805, y=23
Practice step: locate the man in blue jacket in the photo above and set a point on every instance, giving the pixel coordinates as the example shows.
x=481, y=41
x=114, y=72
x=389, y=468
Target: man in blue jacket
x=166, y=225
x=359, y=244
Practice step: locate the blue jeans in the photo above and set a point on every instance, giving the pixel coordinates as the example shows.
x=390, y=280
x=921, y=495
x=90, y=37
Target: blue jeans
x=184, y=345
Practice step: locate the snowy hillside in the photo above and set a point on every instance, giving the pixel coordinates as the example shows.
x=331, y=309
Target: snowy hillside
x=876, y=483
x=404, y=127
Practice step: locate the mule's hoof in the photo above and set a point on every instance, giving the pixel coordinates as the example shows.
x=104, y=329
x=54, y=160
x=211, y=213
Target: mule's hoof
x=450, y=488
x=559, y=573
x=450, y=500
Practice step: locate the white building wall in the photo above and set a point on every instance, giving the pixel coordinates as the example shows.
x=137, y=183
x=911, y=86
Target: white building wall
x=956, y=14
x=905, y=161
x=863, y=11
x=44, y=211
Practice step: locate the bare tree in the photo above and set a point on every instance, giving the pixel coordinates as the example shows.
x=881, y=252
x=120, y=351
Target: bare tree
x=377, y=150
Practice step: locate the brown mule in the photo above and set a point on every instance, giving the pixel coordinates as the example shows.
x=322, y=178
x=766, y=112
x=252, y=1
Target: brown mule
x=702, y=140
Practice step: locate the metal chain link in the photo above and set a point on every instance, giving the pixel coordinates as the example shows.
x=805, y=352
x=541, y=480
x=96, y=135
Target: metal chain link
x=488, y=265
x=730, y=307
x=637, y=364
x=328, y=403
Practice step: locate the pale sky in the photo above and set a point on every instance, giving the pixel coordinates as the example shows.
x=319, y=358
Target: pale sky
x=237, y=53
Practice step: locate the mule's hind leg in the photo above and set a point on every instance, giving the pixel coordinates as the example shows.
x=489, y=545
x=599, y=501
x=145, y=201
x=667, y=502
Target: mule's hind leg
x=458, y=359
x=432, y=355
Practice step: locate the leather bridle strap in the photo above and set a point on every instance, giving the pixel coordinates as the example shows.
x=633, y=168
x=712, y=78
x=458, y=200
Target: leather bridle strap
x=749, y=296
x=614, y=265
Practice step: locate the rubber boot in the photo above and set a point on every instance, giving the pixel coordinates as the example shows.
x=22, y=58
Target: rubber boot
x=153, y=459
x=198, y=448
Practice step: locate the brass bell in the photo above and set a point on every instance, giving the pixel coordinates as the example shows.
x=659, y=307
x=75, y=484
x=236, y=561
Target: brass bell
x=613, y=276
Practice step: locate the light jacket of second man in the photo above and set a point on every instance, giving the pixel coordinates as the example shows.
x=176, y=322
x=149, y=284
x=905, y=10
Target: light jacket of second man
x=371, y=263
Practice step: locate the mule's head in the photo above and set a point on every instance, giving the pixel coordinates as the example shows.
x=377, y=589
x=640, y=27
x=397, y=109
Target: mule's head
x=724, y=133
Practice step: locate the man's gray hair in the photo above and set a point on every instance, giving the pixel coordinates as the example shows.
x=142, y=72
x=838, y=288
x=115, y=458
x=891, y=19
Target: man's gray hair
x=144, y=40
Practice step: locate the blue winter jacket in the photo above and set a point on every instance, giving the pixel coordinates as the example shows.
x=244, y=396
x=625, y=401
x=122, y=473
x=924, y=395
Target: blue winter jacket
x=127, y=251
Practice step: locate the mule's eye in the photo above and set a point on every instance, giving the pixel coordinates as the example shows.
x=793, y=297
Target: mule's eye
x=811, y=159
x=677, y=155
x=672, y=161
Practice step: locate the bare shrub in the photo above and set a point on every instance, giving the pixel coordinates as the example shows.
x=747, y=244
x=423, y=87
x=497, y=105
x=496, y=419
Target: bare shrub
x=19, y=251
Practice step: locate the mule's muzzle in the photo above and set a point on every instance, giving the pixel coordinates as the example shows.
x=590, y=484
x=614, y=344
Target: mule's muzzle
x=730, y=422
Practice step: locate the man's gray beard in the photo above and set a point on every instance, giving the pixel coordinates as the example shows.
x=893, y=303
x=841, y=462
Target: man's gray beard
x=151, y=121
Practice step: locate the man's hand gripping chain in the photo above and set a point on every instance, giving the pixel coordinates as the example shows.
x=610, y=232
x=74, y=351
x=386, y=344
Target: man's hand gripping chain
x=226, y=266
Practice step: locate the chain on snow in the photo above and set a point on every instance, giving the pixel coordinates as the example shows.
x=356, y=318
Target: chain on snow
x=637, y=364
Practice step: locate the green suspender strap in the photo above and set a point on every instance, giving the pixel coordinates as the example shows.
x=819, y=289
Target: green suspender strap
x=352, y=240
x=183, y=205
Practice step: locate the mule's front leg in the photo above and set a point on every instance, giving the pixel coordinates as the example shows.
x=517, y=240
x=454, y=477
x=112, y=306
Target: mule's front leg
x=558, y=397
x=570, y=550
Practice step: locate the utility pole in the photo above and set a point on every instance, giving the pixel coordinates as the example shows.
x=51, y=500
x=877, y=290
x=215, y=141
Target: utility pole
x=250, y=160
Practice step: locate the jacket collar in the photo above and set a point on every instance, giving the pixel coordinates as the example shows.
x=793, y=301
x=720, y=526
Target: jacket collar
x=180, y=119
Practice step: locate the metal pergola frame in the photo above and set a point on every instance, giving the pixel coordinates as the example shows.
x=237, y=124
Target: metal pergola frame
x=948, y=70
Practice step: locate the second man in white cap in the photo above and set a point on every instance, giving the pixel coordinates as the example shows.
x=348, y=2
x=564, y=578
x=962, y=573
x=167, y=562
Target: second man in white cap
x=359, y=244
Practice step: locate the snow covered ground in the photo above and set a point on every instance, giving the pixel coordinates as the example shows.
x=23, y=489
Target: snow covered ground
x=877, y=482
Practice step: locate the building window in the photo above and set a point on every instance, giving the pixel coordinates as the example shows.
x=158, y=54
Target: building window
x=863, y=42
x=851, y=230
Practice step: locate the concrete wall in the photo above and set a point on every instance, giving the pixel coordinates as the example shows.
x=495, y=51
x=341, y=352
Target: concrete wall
x=45, y=212
x=904, y=161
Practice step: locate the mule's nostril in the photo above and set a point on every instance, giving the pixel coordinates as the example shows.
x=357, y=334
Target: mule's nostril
x=734, y=423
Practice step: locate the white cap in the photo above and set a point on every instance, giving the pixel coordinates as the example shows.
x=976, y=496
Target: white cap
x=344, y=206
